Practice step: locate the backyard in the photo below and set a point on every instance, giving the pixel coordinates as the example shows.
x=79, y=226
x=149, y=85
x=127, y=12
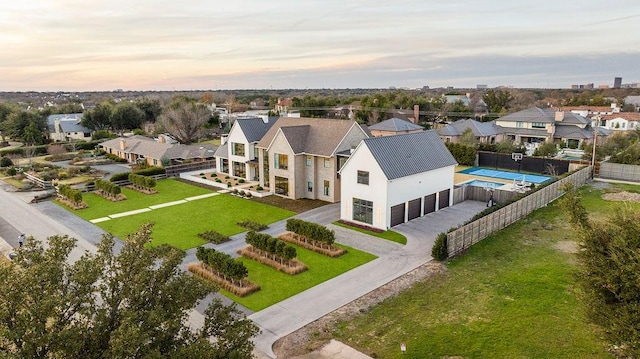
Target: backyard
x=511, y=295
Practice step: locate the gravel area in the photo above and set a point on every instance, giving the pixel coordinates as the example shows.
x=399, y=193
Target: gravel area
x=310, y=338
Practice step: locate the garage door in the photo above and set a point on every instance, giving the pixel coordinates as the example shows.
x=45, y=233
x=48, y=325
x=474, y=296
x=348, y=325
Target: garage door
x=397, y=215
x=430, y=203
x=443, y=201
x=415, y=207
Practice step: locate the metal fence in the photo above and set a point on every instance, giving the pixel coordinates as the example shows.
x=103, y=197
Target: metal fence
x=175, y=170
x=464, y=237
x=619, y=172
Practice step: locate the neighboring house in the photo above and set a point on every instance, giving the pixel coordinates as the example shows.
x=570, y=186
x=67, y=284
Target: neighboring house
x=238, y=155
x=633, y=100
x=536, y=125
x=300, y=157
x=67, y=127
x=457, y=98
x=623, y=121
x=393, y=179
x=485, y=132
x=138, y=149
x=394, y=126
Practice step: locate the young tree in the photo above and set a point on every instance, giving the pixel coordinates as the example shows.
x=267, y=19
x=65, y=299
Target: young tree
x=468, y=138
x=610, y=271
x=132, y=304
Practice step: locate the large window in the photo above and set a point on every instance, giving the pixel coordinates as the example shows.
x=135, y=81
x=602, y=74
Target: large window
x=239, y=169
x=282, y=185
x=225, y=166
x=519, y=124
x=362, y=211
x=280, y=161
x=237, y=149
x=363, y=177
x=326, y=188
x=265, y=167
x=538, y=125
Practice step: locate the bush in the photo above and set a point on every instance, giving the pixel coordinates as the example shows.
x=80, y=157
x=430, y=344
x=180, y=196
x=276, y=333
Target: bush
x=253, y=226
x=214, y=237
x=259, y=188
x=5, y=162
x=241, y=180
x=464, y=155
x=119, y=177
x=151, y=171
x=218, y=180
x=228, y=184
x=439, y=251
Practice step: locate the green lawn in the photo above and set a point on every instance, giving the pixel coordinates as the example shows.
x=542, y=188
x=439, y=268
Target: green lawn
x=388, y=235
x=169, y=190
x=276, y=286
x=180, y=224
x=513, y=295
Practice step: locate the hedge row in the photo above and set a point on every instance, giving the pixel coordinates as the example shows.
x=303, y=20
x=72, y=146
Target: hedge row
x=231, y=269
x=151, y=171
x=252, y=226
x=271, y=245
x=69, y=193
x=214, y=237
x=107, y=187
x=311, y=230
x=140, y=181
x=464, y=155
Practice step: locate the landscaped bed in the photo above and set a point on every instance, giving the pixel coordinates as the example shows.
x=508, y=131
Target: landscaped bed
x=388, y=235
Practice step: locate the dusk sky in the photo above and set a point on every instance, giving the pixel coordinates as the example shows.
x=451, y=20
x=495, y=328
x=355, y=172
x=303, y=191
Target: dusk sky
x=258, y=44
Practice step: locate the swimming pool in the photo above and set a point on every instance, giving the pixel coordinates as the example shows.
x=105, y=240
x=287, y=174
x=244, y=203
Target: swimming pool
x=482, y=183
x=511, y=176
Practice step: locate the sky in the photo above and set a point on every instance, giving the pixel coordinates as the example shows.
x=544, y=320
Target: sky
x=100, y=45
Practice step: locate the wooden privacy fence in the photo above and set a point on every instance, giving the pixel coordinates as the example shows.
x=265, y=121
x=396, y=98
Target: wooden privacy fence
x=471, y=193
x=175, y=170
x=464, y=237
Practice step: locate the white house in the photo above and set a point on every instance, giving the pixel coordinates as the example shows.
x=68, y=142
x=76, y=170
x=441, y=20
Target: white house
x=238, y=155
x=67, y=127
x=390, y=180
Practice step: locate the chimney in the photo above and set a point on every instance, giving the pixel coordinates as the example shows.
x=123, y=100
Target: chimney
x=123, y=144
x=416, y=114
x=223, y=139
x=161, y=139
x=559, y=115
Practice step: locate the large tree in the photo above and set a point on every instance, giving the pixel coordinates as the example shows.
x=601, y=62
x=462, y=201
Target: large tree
x=133, y=304
x=610, y=271
x=99, y=118
x=498, y=101
x=126, y=116
x=185, y=119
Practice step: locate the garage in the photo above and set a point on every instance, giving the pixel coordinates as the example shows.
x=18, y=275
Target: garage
x=415, y=207
x=444, y=199
x=430, y=203
x=397, y=214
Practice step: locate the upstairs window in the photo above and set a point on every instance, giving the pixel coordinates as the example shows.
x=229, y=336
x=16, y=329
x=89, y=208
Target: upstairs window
x=538, y=125
x=363, y=177
x=280, y=161
x=327, y=163
x=237, y=149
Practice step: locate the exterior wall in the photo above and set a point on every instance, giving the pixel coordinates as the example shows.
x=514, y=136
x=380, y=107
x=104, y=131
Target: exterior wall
x=281, y=146
x=237, y=136
x=618, y=124
x=352, y=138
x=376, y=191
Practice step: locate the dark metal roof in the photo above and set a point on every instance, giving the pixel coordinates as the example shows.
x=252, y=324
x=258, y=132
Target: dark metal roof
x=546, y=115
x=254, y=128
x=408, y=154
x=395, y=125
x=479, y=129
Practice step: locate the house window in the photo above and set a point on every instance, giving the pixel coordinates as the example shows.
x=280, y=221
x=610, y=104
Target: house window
x=623, y=125
x=155, y=162
x=265, y=167
x=280, y=161
x=362, y=211
x=538, y=125
x=237, y=149
x=308, y=161
x=282, y=186
x=341, y=161
x=519, y=124
x=363, y=177
x=239, y=169
x=255, y=153
x=310, y=186
x=225, y=166
x=326, y=188
x=327, y=163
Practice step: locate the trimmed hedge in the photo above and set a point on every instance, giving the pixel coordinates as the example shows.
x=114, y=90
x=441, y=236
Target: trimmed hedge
x=253, y=226
x=464, y=155
x=439, y=250
x=69, y=193
x=311, y=230
x=214, y=237
x=107, y=187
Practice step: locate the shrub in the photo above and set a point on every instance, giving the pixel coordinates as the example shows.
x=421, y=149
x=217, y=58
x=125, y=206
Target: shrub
x=201, y=174
x=310, y=230
x=119, y=177
x=12, y=171
x=464, y=155
x=5, y=162
x=226, y=177
x=259, y=188
x=228, y=184
x=151, y=171
x=235, y=191
x=249, y=195
x=214, y=237
x=218, y=180
x=439, y=251
x=253, y=226
x=241, y=180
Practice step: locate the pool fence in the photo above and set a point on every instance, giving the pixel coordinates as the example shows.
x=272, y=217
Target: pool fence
x=467, y=235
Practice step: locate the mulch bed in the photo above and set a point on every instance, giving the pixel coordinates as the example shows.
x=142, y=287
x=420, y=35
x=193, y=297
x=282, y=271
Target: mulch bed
x=330, y=251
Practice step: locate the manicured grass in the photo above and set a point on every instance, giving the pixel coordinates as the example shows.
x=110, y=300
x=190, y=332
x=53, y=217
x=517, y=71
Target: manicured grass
x=276, y=286
x=513, y=295
x=179, y=225
x=388, y=235
x=169, y=190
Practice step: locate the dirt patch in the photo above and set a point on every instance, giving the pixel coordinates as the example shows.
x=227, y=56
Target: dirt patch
x=567, y=246
x=314, y=335
x=622, y=197
x=297, y=206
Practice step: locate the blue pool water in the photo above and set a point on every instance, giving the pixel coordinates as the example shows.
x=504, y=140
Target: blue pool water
x=483, y=184
x=511, y=176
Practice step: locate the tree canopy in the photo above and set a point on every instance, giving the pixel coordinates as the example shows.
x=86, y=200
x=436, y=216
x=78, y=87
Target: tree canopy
x=133, y=304
x=185, y=119
x=610, y=271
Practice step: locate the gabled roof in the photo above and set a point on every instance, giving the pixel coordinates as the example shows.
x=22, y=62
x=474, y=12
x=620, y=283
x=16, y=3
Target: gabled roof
x=395, y=125
x=223, y=151
x=573, y=132
x=322, y=135
x=629, y=116
x=253, y=128
x=69, y=122
x=546, y=115
x=296, y=136
x=408, y=154
x=479, y=129
x=150, y=148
